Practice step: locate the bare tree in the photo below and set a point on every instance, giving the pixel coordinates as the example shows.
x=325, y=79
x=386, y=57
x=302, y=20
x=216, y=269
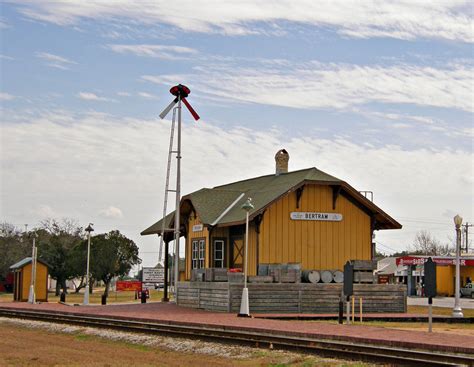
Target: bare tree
x=426, y=244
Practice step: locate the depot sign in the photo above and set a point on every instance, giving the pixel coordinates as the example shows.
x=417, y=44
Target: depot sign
x=412, y=260
x=325, y=217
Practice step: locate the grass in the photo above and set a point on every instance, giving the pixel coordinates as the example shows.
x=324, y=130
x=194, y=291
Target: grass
x=440, y=311
x=95, y=297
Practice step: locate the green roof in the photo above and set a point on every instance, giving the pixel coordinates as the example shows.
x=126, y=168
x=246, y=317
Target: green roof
x=25, y=262
x=221, y=205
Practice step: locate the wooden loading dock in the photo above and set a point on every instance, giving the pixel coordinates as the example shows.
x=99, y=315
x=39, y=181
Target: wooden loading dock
x=307, y=217
x=303, y=298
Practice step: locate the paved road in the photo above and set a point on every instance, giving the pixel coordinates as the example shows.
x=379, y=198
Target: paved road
x=447, y=302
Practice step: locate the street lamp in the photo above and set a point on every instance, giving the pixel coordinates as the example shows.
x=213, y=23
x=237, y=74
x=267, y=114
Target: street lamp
x=244, y=305
x=457, y=311
x=34, y=254
x=89, y=229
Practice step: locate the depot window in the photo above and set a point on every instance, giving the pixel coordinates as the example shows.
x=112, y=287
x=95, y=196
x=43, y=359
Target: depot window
x=219, y=248
x=198, y=253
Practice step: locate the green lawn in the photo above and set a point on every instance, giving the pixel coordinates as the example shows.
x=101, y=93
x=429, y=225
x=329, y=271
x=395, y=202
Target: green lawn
x=95, y=297
x=441, y=311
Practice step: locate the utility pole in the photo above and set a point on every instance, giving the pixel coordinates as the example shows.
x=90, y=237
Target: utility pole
x=466, y=235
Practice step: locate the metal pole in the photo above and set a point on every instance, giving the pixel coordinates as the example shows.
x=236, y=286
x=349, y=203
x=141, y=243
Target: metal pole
x=35, y=262
x=178, y=200
x=166, y=283
x=246, y=248
x=86, y=294
x=353, y=309
x=348, y=311
x=31, y=294
x=244, y=304
x=430, y=315
x=457, y=311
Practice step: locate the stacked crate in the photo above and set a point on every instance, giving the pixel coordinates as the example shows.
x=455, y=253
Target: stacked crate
x=364, y=271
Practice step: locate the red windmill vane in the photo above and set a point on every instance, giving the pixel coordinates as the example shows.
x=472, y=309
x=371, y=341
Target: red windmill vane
x=181, y=92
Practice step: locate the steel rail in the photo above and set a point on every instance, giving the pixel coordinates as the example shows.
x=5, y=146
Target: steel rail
x=323, y=346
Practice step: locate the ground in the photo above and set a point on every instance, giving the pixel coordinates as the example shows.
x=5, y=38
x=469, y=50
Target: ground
x=22, y=343
x=95, y=297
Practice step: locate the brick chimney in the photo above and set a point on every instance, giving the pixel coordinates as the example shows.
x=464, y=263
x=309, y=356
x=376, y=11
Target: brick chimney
x=281, y=161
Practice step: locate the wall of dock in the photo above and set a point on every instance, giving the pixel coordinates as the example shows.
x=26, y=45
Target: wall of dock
x=290, y=298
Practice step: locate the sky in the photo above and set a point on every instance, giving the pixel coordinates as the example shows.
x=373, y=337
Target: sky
x=379, y=94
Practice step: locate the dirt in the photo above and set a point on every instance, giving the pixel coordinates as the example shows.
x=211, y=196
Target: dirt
x=33, y=343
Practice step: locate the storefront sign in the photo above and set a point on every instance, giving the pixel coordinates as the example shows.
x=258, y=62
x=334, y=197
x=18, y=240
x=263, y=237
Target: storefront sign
x=412, y=260
x=153, y=275
x=329, y=217
x=198, y=228
x=128, y=285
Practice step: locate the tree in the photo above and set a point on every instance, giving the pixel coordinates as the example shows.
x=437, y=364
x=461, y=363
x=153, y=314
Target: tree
x=56, y=243
x=112, y=255
x=15, y=245
x=426, y=244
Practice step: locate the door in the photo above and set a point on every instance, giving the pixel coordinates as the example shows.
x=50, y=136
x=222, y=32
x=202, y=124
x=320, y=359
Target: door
x=238, y=253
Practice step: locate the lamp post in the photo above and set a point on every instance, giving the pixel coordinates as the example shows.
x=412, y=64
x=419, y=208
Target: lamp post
x=89, y=229
x=244, y=305
x=457, y=311
x=32, y=294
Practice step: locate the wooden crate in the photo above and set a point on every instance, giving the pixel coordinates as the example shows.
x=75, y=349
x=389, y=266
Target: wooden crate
x=261, y=279
x=209, y=277
x=364, y=277
x=220, y=275
x=235, y=277
x=366, y=265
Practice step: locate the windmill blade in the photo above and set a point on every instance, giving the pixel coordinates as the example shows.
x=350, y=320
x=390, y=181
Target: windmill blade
x=168, y=108
x=194, y=113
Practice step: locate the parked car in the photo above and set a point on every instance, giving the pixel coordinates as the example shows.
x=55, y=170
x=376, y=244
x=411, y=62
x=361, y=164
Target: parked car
x=467, y=290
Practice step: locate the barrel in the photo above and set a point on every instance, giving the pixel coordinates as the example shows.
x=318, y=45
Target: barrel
x=311, y=276
x=338, y=276
x=326, y=276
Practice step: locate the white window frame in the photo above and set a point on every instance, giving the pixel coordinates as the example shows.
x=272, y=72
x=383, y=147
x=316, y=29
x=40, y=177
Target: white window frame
x=220, y=259
x=198, y=253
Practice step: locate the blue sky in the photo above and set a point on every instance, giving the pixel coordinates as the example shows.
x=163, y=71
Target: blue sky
x=378, y=94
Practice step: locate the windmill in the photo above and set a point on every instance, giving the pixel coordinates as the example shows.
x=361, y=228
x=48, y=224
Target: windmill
x=181, y=92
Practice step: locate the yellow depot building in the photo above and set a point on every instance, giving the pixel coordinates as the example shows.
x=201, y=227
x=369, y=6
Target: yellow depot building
x=22, y=279
x=306, y=216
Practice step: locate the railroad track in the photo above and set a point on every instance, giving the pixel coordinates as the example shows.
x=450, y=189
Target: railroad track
x=327, y=347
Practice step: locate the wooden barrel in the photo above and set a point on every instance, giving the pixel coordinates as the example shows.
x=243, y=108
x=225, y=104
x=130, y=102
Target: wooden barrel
x=326, y=276
x=338, y=276
x=314, y=276
x=311, y=276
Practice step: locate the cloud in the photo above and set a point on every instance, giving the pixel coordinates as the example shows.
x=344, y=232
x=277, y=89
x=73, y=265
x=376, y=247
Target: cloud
x=3, y=23
x=123, y=94
x=87, y=96
x=82, y=163
x=5, y=57
x=317, y=85
x=157, y=51
x=6, y=97
x=396, y=19
x=55, y=61
x=147, y=95
x=44, y=212
x=111, y=212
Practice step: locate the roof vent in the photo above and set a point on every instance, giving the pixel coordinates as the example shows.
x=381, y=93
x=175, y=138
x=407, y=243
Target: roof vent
x=281, y=161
